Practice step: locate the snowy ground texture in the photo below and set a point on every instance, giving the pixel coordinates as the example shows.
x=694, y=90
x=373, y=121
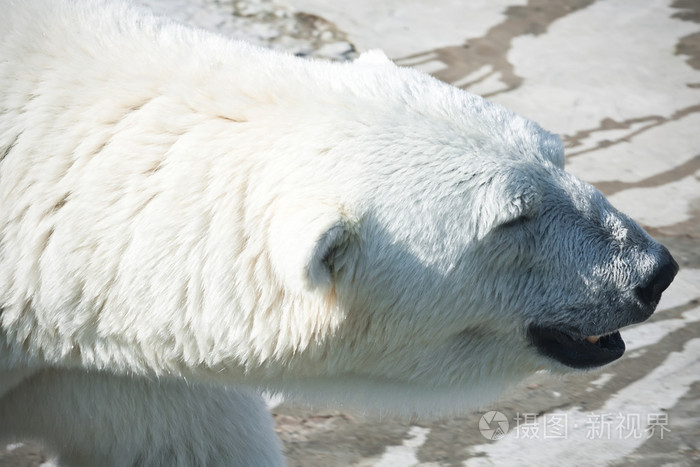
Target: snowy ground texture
x=620, y=81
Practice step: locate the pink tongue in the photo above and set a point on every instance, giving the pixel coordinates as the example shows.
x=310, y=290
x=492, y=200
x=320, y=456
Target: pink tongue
x=592, y=339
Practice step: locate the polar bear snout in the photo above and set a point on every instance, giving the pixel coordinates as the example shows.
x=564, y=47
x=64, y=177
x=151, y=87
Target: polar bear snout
x=649, y=293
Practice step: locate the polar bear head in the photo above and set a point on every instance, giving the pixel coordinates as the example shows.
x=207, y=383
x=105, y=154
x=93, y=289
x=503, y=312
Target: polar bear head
x=455, y=249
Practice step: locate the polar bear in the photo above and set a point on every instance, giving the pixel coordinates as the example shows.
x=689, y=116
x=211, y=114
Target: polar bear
x=186, y=220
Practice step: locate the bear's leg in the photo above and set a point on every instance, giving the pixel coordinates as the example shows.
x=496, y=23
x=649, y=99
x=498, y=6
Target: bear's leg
x=101, y=419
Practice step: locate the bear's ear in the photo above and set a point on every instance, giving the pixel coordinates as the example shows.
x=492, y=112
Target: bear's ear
x=509, y=197
x=310, y=247
x=518, y=206
x=553, y=149
x=330, y=254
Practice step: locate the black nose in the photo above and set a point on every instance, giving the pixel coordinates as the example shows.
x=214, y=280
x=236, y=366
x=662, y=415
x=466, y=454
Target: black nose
x=650, y=293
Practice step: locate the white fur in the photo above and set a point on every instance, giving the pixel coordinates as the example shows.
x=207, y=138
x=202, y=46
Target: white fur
x=157, y=422
x=178, y=206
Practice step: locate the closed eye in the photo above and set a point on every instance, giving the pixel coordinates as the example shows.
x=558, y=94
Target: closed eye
x=518, y=221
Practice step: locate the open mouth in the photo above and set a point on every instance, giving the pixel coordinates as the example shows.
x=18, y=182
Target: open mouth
x=577, y=351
